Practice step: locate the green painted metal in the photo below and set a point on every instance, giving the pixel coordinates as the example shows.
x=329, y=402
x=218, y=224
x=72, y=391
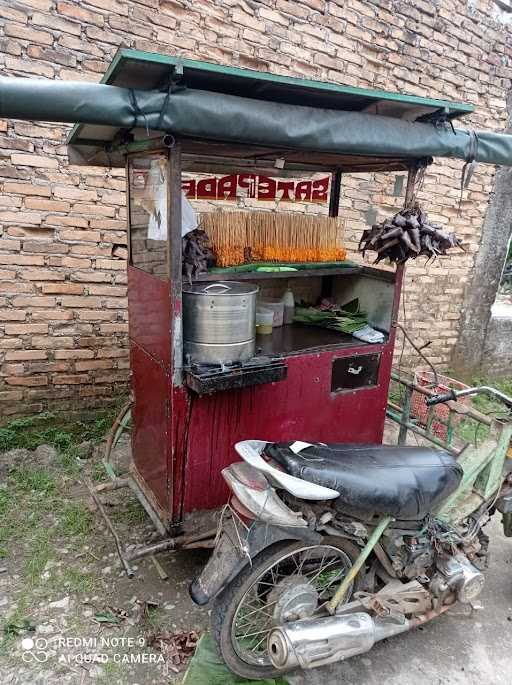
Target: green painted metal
x=412, y=426
x=483, y=473
x=365, y=553
x=483, y=464
x=110, y=470
x=406, y=413
x=297, y=88
x=285, y=82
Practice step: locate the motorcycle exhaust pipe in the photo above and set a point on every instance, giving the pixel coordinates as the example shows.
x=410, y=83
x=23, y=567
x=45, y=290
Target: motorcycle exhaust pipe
x=316, y=642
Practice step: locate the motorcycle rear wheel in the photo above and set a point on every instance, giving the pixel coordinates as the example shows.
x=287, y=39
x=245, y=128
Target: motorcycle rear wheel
x=250, y=592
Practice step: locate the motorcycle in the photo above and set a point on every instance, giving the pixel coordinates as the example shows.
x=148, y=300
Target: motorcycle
x=325, y=549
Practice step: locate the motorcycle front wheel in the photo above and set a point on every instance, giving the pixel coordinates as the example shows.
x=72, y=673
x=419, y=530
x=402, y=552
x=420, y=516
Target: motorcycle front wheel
x=282, y=579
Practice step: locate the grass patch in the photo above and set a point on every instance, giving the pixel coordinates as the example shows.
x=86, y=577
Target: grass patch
x=76, y=520
x=7, y=527
x=41, y=551
x=29, y=479
x=98, y=473
x=47, y=428
x=16, y=623
x=80, y=582
x=156, y=617
x=130, y=512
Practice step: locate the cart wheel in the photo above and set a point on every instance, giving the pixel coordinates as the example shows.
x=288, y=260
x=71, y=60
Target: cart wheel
x=286, y=581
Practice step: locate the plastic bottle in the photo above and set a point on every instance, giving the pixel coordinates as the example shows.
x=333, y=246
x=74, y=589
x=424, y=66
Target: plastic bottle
x=289, y=306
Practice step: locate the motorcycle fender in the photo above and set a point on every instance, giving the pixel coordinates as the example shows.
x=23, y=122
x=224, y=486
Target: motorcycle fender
x=228, y=559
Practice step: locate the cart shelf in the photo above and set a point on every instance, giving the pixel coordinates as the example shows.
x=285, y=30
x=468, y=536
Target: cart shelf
x=299, y=338
x=300, y=273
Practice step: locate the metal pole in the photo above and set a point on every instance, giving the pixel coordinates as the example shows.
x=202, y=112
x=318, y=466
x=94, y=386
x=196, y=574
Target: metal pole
x=334, y=198
x=365, y=553
x=411, y=182
x=406, y=415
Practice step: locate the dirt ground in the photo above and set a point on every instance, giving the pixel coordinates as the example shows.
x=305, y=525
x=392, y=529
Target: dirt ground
x=69, y=614
x=62, y=585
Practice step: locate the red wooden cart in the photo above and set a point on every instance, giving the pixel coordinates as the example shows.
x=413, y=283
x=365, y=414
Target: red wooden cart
x=322, y=385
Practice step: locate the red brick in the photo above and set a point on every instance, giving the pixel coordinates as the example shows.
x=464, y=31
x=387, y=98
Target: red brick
x=111, y=290
x=71, y=220
x=120, y=252
x=13, y=14
x=25, y=355
x=27, y=188
x=22, y=260
x=49, y=342
x=47, y=205
x=81, y=301
x=48, y=367
x=52, y=315
x=53, y=56
x=20, y=217
x=10, y=245
x=74, y=193
x=61, y=288
x=73, y=354
x=112, y=352
x=94, y=364
x=69, y=379
x=11, y=396
x=24, y=328
x=12, y=315
x=41, y=161
x=56, y=23
x=91, y=277
x=96, y=315
x=44, y=247
x=12, y=370
x=110, y=264
x=70, y=262
x=34, y=301
x=94, y=236
x=28, y=33
x=42, y=275
x=90, y=249
x=27, y=380
x=114, y=328
x=79, y=13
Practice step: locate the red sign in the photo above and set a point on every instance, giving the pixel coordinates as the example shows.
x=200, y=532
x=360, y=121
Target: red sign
x=256, y=187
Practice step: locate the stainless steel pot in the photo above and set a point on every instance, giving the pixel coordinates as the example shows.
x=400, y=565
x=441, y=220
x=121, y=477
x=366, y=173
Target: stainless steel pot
x=219, y=322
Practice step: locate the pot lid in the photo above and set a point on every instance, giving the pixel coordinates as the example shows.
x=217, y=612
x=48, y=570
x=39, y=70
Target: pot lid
x=221, y=288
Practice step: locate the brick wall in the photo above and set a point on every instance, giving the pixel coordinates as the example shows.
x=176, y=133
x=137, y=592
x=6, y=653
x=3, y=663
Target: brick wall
x=62, y=253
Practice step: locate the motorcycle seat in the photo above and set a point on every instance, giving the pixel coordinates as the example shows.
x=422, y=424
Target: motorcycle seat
x=406, y=483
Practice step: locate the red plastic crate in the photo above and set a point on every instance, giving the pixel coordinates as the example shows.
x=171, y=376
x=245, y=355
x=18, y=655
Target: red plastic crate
x=419, y=409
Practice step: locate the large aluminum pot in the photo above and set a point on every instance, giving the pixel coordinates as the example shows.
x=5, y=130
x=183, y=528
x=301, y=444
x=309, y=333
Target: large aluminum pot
x=219, y=322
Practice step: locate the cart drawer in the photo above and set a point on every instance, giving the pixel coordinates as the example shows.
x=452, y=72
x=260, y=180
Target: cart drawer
x=350, y=373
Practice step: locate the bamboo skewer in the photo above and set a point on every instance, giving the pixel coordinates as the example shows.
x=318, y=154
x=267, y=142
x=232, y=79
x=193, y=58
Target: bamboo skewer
x=243, y=237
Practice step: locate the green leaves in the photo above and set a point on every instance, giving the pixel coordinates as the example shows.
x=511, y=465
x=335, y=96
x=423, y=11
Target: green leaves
x=348, y=319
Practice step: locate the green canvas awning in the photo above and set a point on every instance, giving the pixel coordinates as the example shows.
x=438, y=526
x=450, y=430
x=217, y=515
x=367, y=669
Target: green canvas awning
x=226, y=113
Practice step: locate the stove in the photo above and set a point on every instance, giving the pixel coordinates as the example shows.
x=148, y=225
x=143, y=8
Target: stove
x=206, y=379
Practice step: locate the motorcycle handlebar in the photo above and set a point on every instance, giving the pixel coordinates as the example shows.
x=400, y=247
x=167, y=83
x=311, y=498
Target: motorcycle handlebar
x=438, y=399
x=455, y=394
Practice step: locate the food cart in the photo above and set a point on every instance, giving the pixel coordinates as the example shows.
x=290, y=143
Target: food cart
x=170, y=120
